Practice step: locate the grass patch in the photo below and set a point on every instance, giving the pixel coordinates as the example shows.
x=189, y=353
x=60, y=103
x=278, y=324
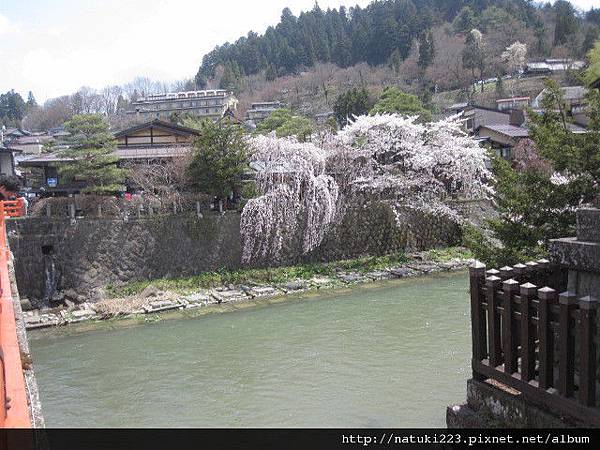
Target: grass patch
x=446, y=254
x=280, y=274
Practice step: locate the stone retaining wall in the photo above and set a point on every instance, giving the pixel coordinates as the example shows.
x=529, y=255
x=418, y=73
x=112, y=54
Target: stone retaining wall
x=90, y=253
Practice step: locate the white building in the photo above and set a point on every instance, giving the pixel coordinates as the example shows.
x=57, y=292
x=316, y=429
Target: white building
x=208, y=103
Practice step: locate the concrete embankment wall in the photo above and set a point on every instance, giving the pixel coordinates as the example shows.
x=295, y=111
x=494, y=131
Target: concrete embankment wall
x=89, y=253
x=35, y=407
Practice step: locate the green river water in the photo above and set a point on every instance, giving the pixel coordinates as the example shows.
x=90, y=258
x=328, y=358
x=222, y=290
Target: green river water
x=389, y=354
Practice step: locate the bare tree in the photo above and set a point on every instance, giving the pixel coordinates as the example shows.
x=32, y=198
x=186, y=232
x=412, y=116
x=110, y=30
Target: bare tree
x=163, y=181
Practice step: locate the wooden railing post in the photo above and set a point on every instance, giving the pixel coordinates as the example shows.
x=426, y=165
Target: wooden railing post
x=566, y=365
x=493, y=284
x=510, y=288
x=528, y=292
x=506, y=273
x=478, y=328
x=544, y=268
x=518, y=271
x=587, y=359
x=547, y=297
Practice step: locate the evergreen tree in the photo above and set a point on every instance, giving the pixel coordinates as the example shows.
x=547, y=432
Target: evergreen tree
x=500, y=89
x=285, y=123
x=394, y=101
x=371, y=34
x=567, y=24
x=31, y=100
x=473, y=56
x=12, y=109
x=537, y=203
x=271, y=72
x=219, y=159
x=592, y=34
x=426, y=50
x=465, y=20
x=200, y=81
x=395, y=61
x=354, y=102
x=91, y=149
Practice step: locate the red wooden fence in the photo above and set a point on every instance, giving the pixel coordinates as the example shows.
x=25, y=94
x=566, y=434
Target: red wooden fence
x=529, y=333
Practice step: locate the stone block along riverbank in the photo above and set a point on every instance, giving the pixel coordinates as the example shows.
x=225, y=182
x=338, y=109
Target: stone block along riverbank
x=155, y=298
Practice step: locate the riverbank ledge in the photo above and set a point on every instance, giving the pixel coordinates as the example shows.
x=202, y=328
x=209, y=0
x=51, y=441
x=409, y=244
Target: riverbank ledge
x=152, y=300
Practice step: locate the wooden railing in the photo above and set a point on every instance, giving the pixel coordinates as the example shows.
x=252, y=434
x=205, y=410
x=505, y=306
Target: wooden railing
x=14, y=409
x=13, y=208
x=533, y=335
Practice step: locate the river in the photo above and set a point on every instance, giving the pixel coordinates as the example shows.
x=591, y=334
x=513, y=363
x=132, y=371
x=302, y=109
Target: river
x=389, y=354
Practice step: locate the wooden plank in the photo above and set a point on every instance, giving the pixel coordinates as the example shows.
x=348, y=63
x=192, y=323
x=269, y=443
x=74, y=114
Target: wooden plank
x=566, y=363
x=494, y=348
x=547, y=296
x=528, y=292
x=476, y=278
x=509, y=289
x=587, y=358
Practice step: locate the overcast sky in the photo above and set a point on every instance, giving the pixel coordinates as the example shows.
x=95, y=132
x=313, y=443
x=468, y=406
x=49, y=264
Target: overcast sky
x=54, y=47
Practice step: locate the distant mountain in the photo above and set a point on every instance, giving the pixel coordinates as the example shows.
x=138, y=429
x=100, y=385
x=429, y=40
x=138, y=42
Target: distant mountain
x=387, y=29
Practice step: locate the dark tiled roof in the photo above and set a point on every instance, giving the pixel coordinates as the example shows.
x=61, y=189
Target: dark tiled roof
x=508, y=130
x=24, y=140
x=596, y=84
x=157, y=123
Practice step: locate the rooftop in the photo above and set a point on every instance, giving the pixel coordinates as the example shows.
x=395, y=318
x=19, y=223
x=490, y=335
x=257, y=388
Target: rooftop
x=512, y=99
x=184, y=94
x=508, y=130
x=570, y=93
x=157, y=123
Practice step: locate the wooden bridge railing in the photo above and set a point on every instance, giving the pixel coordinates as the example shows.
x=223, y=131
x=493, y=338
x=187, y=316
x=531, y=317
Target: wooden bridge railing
x=14, y=409
x=529, y=333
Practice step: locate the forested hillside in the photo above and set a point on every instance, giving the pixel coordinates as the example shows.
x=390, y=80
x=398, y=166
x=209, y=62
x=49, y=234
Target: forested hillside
x=385, y=31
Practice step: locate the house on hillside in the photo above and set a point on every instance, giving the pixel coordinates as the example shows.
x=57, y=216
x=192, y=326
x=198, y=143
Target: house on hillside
x=575, y=101
x=503, y=138
x=208, y=103
x=551, y=66
x=477, y=116
x=31, y=144
x=156, y=140
x=504, y=104
x=7, y=134
x=260, y=111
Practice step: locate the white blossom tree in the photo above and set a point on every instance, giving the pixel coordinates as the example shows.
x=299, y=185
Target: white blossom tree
x=295, y=189
x=389, y=158
x=515, y=57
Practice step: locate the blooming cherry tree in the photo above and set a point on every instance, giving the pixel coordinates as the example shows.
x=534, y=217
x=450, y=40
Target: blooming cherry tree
x=389, y=158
